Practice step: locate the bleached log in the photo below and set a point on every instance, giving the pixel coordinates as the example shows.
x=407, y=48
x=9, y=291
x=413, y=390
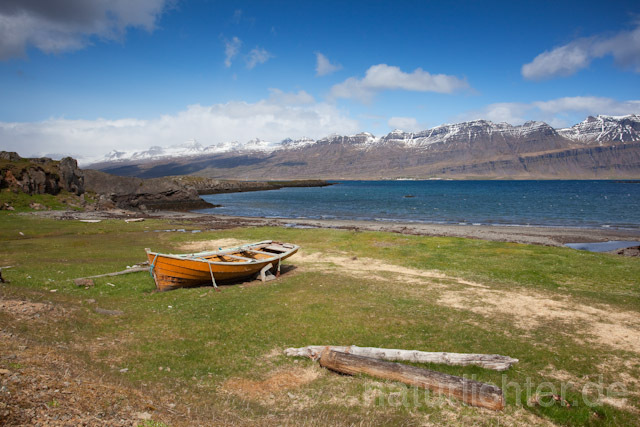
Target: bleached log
x=488, y=361
x=133, y=220
x=469, y=391
x=117, y=273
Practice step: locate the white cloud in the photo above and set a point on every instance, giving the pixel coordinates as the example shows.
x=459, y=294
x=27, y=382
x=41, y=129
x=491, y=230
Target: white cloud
x=257, y=56
x=324, y=66
x=407, y=124
x=509, y=112
x=556, y=112
x=385, y=77
x=290, y=98
x=54, y=26
x=570, y=58
x=588, y=105
x=281, y=116
x=231, y=49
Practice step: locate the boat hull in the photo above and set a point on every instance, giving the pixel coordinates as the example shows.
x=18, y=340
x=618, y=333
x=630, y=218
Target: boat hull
x=188, y=270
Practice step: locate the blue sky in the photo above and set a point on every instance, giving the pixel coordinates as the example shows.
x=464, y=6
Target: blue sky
x=84, y=77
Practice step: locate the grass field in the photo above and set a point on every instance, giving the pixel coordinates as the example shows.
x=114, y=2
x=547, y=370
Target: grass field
x=195, y=356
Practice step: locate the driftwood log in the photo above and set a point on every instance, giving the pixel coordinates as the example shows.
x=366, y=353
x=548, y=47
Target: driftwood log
x=471, y=392
x=488, y=361
x=136, y=269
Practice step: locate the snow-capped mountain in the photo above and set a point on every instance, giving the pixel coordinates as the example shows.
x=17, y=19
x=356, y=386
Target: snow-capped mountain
x=535, y=135
x=190, y=148
x=292, y=144
x=469, y=132
x=602, y=146
x=605, y=129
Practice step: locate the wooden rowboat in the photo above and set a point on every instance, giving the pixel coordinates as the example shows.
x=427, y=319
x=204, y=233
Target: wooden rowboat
x=185, y=270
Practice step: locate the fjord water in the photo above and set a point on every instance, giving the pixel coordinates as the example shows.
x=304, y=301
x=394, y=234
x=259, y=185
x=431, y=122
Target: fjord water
x=585, y=204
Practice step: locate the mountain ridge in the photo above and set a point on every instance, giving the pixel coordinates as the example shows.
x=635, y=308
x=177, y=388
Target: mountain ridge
x=439, y=151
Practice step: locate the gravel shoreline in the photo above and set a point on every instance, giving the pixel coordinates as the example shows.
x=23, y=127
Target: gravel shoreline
x=549, y=236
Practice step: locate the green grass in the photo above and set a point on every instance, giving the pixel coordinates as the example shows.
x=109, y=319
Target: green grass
x=22, y=202
x=207, y=338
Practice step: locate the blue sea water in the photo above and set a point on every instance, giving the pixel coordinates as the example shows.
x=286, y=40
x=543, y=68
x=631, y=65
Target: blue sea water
x=584, y=204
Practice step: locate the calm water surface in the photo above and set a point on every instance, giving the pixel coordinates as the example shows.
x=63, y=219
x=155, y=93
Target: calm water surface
x=590, y=204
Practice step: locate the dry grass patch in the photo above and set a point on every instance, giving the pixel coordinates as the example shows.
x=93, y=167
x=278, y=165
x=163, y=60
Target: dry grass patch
x=368, y=268
x=276, y=383
x=29, y=310
x=602, y=325
x=41, y=385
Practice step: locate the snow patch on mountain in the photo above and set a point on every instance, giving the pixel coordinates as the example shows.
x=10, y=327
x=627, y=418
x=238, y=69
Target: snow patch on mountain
x=604, y=129
x=291, y=144
x=190, y=148
x=600, y=130
x=466, y=132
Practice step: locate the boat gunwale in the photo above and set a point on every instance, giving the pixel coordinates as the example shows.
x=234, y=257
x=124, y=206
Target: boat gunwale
x=189, y=257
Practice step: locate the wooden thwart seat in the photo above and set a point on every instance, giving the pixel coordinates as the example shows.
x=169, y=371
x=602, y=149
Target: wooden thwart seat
x=238, y=257
x=258, y=252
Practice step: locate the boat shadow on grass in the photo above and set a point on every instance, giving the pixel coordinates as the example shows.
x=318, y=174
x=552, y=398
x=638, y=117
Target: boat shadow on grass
x=285, y=272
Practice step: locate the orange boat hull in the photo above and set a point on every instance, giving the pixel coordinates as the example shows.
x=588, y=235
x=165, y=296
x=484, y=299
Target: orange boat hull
x=188, y=270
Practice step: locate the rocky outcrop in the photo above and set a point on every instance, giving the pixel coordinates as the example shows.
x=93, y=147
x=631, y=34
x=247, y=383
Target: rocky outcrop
x=144, y=194
x=71, y=177
x=40, y=175
x=46, y=176
x=217, y=186
x=633, y=251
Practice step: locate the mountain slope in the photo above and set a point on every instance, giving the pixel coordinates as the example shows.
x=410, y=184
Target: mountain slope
x=599, y=147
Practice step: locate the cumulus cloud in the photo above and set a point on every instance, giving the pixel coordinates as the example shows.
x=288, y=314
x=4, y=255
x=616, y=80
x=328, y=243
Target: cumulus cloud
x=589, y=105
x=257, y=56
x=61, y=26
x=556, y=112
x=324, y=66
x=509, y=112
x=290, y=98
x=385, y=77
x=570, y=58
x=407, y=124
x=281, y=116
x=231, y=49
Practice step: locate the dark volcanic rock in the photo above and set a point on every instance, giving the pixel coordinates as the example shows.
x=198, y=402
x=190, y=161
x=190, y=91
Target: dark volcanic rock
x=12, y=156
x=46, y=176
x=40, y=175
x=632, y=251
x=216, y=186
x=71, y=176
x=137, y=193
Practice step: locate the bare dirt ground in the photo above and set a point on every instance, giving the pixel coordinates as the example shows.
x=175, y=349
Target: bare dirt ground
x=50, y=385
x=42, y=385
